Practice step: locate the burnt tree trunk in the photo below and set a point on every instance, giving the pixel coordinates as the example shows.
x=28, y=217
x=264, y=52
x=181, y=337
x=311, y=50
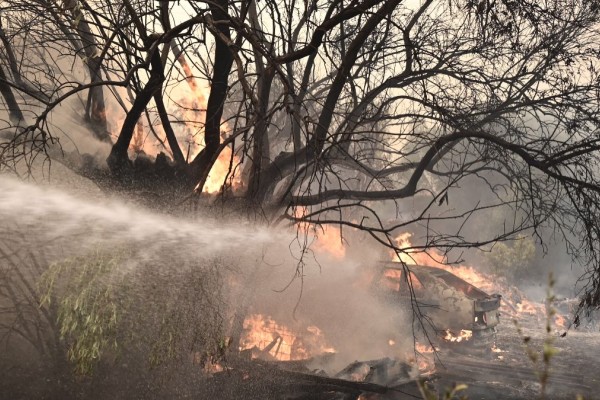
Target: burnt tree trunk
x=260, y=151
x=96, y=107
x=166, y=123
x=118, y=160
x=12, y=60
x=218, y=92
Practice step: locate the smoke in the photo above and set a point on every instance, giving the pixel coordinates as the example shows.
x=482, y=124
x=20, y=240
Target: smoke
x=337, y=296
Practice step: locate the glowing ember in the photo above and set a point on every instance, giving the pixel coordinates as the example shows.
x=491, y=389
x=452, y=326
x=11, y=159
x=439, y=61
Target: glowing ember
x=279, y=341
x=497, y=350
x=423, y=348
x=421, y=358
x=560, y=321
x=463, y=335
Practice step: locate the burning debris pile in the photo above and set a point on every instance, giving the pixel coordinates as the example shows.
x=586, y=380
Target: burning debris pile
x=294, y=360
x=267, y=339
x=278, y=360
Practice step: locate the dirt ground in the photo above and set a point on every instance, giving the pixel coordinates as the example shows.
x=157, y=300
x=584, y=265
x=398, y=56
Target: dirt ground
x=510, y=374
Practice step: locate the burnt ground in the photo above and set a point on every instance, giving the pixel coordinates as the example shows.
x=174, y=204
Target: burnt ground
x=509, y=374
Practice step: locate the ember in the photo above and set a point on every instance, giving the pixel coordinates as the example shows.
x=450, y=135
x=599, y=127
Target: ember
x=423, y=348
x=464, y=335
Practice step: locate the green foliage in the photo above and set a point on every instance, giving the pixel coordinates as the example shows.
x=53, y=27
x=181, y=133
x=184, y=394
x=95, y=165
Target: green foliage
x=88, y=308
x=188, y=320
x=508, y=260
x=126, y=304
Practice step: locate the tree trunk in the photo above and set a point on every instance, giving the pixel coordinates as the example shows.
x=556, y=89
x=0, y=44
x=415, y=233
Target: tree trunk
x=14, y=110
x=12, y=60
x=261, y=150
x=95, y=112
x=118, y=160
x=164, y=119
x=218, y=92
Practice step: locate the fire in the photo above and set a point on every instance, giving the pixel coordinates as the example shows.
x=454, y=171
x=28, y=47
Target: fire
x=327, y=238
x=280, y=342
x=408, y=256
x=496, y=349
x=193, y=108
x=560, y=321
x=423, y=348
x=222, y=172
x=463, y=335
x=189, y=111
x=514, y=303
x=422, y=358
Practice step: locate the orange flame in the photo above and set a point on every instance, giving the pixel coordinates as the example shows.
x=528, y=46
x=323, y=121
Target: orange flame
x=422, y=358
x=466, y=273
x=189, y=109
x=560, y=321
x=280, y=342
x=328, y=238
x=527, y=307
x=463, y=335
x=222, y=172
x=423, y=348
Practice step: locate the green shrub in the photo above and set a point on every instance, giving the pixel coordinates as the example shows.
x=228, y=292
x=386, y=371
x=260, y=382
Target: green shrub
x=88, y=307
